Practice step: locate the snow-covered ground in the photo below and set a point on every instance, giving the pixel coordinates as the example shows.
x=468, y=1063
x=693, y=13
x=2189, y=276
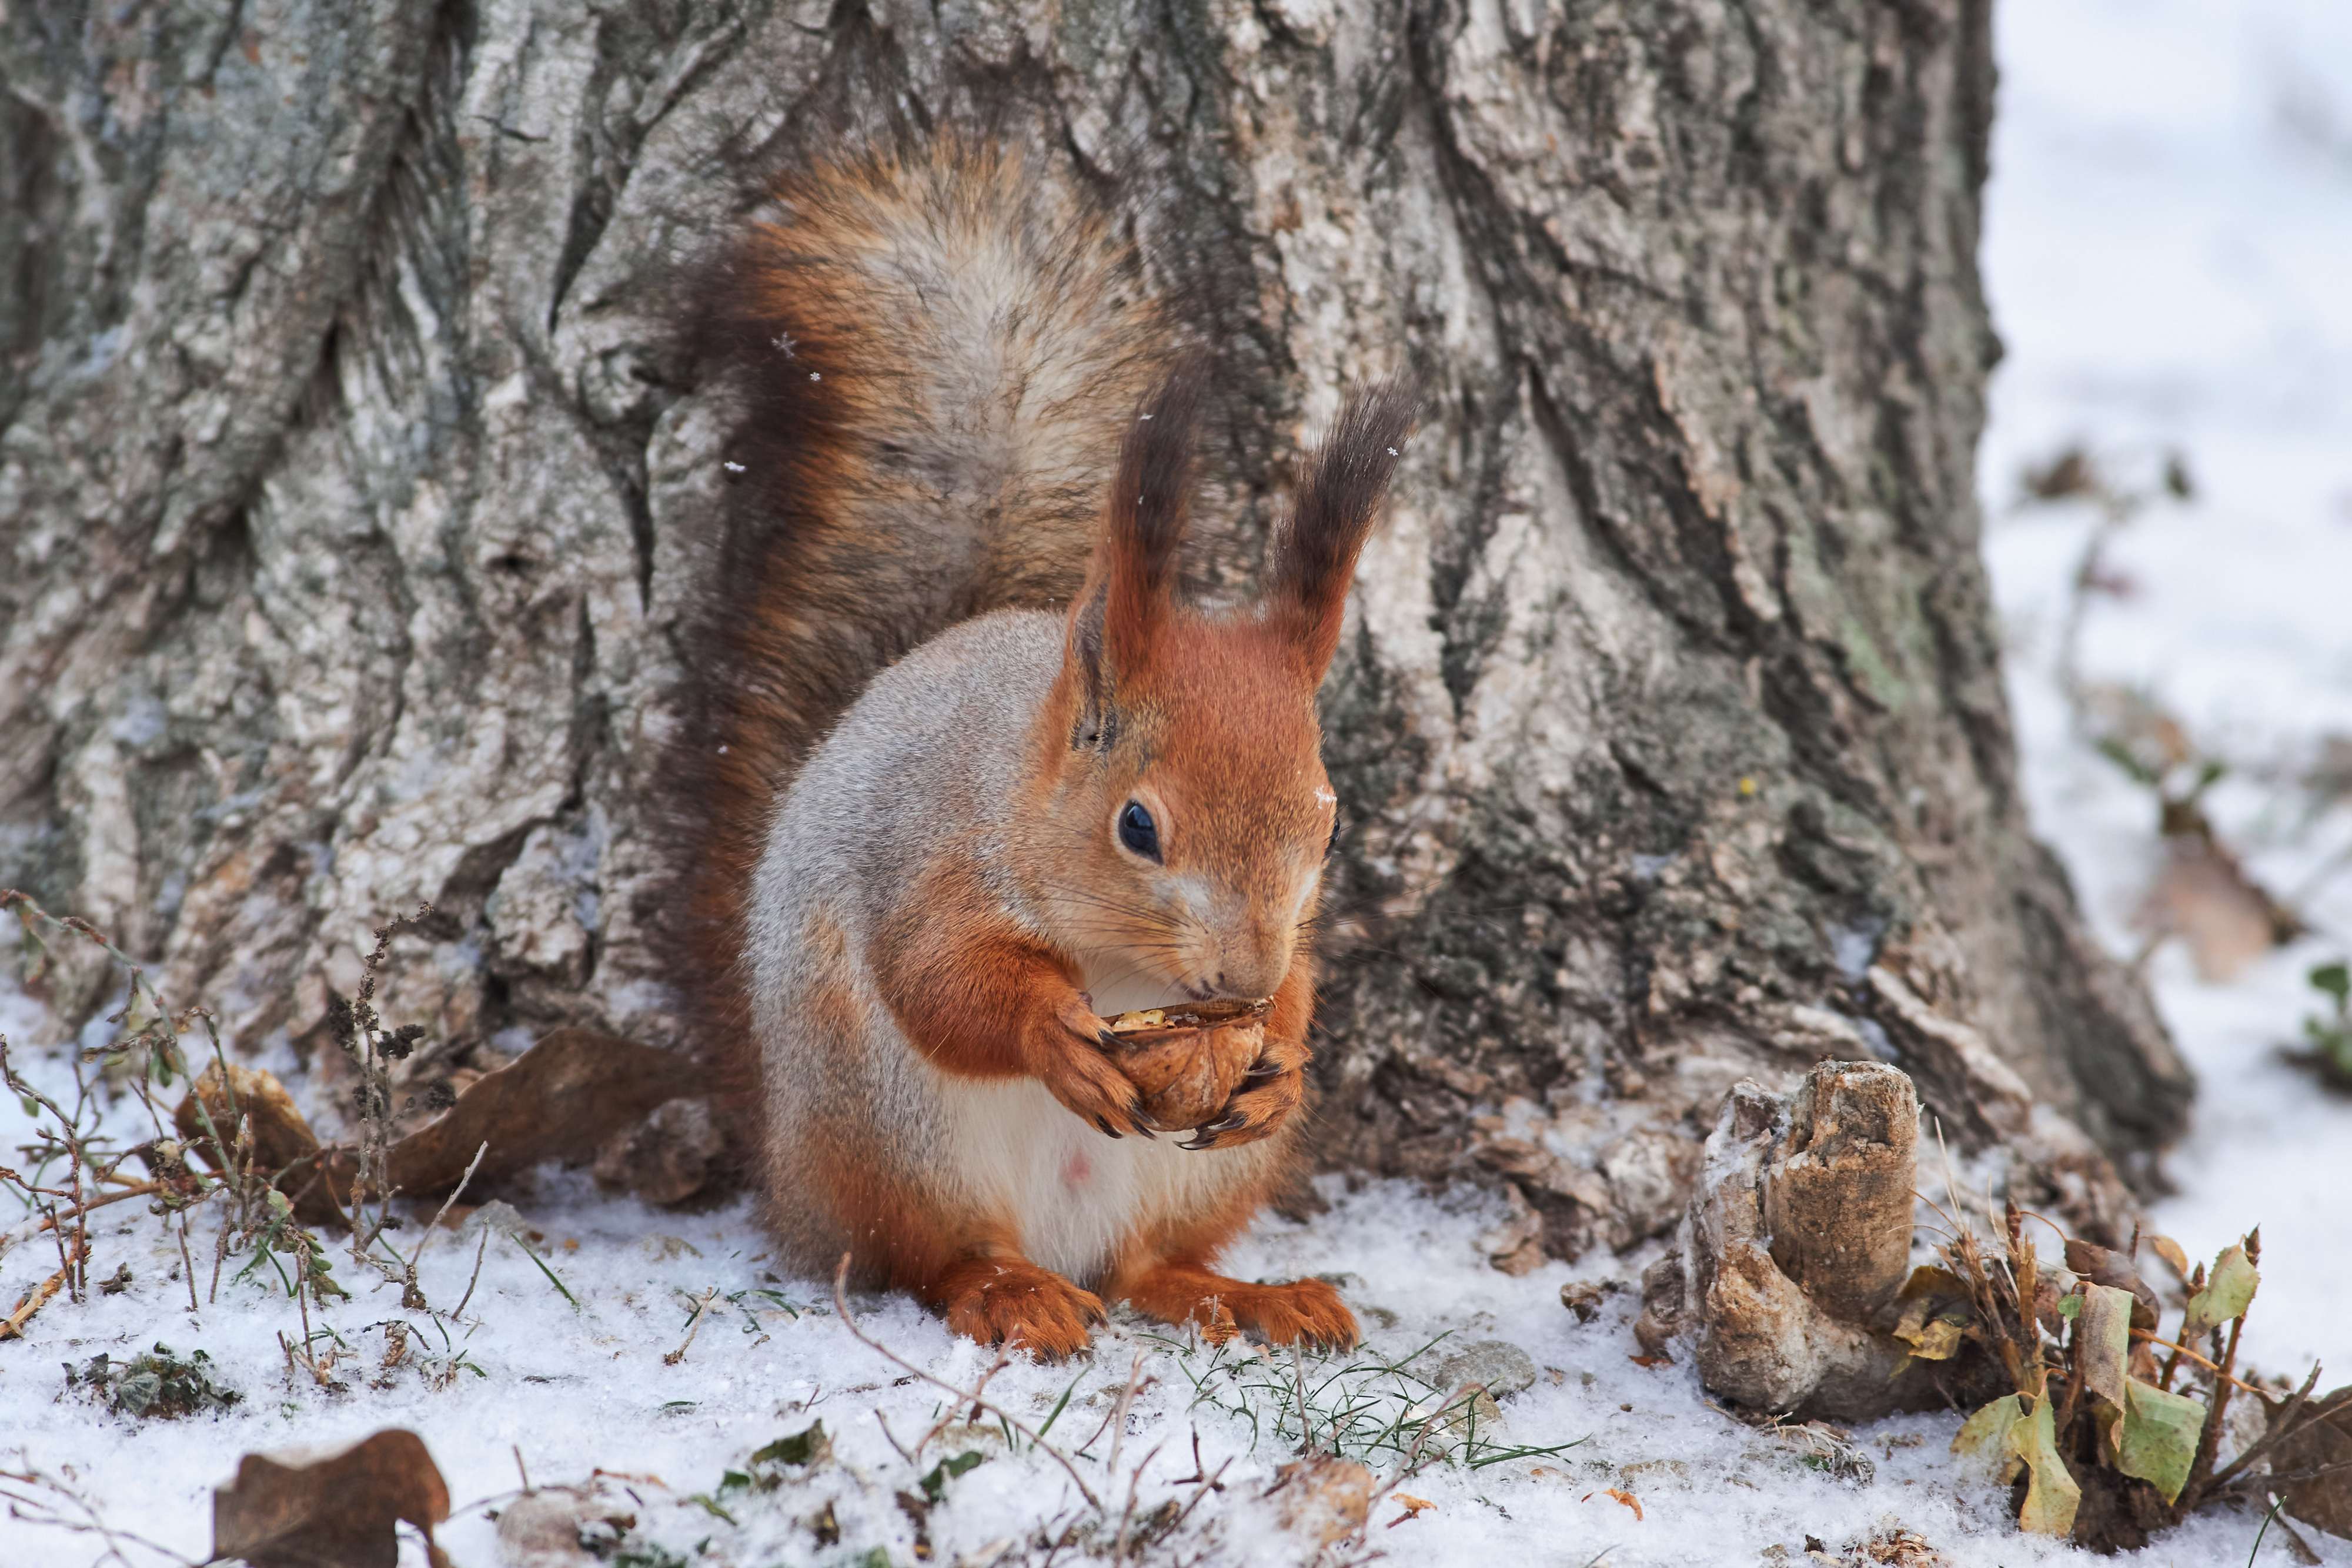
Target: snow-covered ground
x=2167, y=249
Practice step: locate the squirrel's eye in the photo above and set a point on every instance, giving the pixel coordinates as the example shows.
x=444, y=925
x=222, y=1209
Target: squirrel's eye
x=1138, y=831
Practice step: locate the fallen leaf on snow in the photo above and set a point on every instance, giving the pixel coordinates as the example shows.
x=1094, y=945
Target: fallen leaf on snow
x=564, y=1099
x=1413, y=1507
x=2204, y=896
x=336, y=1511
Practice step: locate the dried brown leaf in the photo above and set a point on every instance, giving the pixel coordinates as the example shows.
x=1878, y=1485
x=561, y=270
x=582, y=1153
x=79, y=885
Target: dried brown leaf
x=333, y=1512
x=2103, y=1266
x=564, y=1099
x=2317, y=1463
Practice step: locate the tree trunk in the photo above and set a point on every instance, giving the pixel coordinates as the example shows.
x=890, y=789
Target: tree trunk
x=352, y=488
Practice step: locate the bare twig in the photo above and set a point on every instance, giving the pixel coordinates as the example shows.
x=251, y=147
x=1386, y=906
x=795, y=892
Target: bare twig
x=37, y=1499
x=121, y=1195
x=35, y=1300
x=1134, y=1485
x=841, y=1305
x=1119, y=1411
x=1203, y=1484
x=443, y=1212
x=693, y=1324
x=1411, y=1459
x=892, y=1439
x=2297, y=1417
x=2183, y=1352
x=482, y=1247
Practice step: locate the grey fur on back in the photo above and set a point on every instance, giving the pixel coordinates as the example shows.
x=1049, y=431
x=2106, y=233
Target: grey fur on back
x=932, y=747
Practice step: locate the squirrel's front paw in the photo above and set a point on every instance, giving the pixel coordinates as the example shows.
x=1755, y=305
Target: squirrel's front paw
x=1275, y=1088
x=1066, y=1052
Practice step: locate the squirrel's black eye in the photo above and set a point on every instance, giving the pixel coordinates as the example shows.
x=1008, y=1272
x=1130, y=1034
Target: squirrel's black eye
x=1138, y=831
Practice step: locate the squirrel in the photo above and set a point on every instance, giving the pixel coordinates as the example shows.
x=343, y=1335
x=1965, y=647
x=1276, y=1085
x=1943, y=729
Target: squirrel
x=964, y=775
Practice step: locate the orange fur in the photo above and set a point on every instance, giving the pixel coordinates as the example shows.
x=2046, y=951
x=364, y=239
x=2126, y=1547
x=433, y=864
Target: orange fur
x=979, y=999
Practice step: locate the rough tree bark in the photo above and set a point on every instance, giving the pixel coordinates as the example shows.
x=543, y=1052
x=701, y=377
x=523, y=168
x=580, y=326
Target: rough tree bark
x=349, y=489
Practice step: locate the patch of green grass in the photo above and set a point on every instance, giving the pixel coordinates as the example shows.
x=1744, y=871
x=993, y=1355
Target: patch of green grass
x=1359, y=1405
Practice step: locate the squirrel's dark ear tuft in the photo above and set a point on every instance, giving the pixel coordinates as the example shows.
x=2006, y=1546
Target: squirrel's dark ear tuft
x=1144, y=523
x=1095, y=727
x=1314, y=558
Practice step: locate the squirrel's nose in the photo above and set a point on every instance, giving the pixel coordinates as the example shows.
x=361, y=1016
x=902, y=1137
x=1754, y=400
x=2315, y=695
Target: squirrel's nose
x=1253, y=966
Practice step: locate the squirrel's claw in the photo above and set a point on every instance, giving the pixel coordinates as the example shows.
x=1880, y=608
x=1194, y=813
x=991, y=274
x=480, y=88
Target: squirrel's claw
x=1267, y=1095
x=1205, y=1136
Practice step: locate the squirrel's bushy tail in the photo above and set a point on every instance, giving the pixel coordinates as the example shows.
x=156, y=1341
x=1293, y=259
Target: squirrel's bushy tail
x=938, y=354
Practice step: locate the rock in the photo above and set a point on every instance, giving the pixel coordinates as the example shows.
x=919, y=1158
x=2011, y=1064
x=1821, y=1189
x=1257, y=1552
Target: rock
x=1584, y=1297
x=1498, y=1365
x=669, y=1157
x=1649, y=1172
x=1514, y=1245
x=1665, y=1293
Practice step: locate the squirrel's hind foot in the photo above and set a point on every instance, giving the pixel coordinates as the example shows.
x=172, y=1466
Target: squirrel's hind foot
x=1011, y=1301
x=1303, y=1311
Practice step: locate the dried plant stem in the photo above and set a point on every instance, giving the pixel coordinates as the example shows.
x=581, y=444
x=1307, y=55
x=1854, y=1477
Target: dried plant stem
x=480, y=1248
x=693, y=1325
x=1134, y=1485
x=119, y=1194
x=841, y=1305
x=35, y=1300
x=2297, y=1417
x=1203, y=1484
x=2181, y=1352
x=36, y=1498
x=2200, y=1468
x=1406, y=1465
x=75, y=1285
x=412, y=1294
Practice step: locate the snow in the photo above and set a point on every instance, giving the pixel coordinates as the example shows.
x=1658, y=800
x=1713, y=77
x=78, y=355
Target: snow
x=2166, y=251
x=2172, y=209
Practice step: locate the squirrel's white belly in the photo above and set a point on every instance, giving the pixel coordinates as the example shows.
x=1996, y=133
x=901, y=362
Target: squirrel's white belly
x=1073, y=1194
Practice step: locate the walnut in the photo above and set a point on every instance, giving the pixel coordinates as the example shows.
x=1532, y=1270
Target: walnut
x=1186, y=1061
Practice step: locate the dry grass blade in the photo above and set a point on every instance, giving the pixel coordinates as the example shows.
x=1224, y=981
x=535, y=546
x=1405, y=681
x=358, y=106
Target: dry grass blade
x=35, y=1300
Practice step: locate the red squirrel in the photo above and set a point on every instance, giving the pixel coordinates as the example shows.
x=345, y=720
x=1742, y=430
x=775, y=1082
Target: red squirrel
x=972, y=775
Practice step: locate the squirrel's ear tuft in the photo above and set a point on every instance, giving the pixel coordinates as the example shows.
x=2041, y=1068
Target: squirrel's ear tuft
x=1314, y=558
x=1096, y=724
x=1144, y=523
